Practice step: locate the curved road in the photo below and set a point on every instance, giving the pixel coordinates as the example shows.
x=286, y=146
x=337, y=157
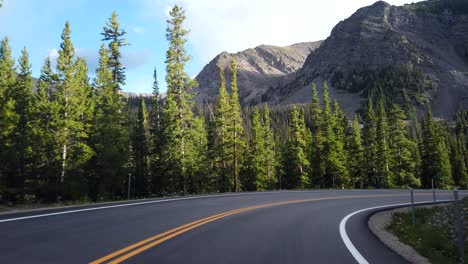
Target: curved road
x=277, y=227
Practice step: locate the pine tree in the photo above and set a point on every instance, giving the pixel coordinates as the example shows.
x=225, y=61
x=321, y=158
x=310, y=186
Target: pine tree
x=435, y=162
x=235, y=128
x=222, y=112
x=155, y=138
x=110, y=135
x=212, y=183
x=383, y=156
x=270, y=160
x=355, y=151
x=72, y=122
x=340, y=127
x=21, y=93
x=196, y=159
x=457, y=159
x=44, y=163
x=335, y=171
x=113, y=33
x=257, y=152
x=295, y=163
x=402, y=150
x=9, y=119
x=140, y=149
x=62, y=97
x=369, y=133
x=177, y=113
x=316, y=157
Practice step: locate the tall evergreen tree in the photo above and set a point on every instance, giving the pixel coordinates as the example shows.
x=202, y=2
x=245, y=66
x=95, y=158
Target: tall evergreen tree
x=355, y=151
x=257, y=152
x=236, y=130
x=113, y=33
x=73, y=105
x=9, y=119
x=457, y=159
x=222, y=112
x=196, y=158
x=155, y=137
x=42, y=139
x=435, y=162
x=177, y=113
x=402, y=150
x=21, y=93
x=140, y=149
x=316, y=157
x=383, y=156
x=370, y=145
x=110, y=136
x=340, y=127
x=270, y=160
x=335, y=172
x=295, y=162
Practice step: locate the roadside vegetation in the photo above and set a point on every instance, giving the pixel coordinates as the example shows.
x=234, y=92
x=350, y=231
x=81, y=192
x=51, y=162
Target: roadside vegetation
x=433, y=235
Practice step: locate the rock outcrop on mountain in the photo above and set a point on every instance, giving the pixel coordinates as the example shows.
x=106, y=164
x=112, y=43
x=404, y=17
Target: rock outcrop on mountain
x=416, y=54
x=258, y=69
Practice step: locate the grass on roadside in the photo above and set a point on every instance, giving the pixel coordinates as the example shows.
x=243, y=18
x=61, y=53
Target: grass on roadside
x=433, y=236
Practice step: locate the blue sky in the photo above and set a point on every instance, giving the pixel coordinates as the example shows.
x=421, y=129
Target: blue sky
x=215, y=26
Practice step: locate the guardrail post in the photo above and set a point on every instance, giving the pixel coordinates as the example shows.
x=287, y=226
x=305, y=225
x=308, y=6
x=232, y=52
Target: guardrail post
x=413, y=217
x=129, y=185
x=458, y=222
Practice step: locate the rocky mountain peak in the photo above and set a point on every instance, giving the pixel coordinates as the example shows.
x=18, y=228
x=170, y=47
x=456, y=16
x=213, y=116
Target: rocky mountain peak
x=416, y=54
x=258, y=68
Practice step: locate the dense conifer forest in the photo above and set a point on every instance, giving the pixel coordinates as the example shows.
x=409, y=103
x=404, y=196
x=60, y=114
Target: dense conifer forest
x=68, y=137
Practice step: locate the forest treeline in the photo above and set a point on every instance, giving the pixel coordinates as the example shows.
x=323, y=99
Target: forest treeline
x=68, y=137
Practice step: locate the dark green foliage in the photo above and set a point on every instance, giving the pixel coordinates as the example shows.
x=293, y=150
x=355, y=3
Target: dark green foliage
x=398, y=85
x=355, y=151
x=370, y=143
x=115, y=35
x=177, y=116
x=335, y=171
x=155, y=139
x=140, y=152
x=434, y=153
x=316, y=124
x=295, y=162
x=256, y=160
x=9, y=120
x=110, y=135
x=384, y=177
x=43, y=163
x=235, y=128
x=70, y=140
x=403, y=151
x=220, y=126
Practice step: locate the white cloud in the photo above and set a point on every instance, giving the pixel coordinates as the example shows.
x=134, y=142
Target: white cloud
x=232, y=26
x=52, y=54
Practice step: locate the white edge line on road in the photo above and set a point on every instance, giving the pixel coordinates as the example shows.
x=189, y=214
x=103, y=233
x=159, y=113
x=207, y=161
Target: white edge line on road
x=344, y=235
x=129, y=204
x=135, y=203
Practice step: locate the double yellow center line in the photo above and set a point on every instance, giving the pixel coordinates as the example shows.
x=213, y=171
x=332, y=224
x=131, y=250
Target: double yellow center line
x=134, y=249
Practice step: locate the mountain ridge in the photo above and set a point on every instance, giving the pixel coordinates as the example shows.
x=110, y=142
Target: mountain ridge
x=426, y=42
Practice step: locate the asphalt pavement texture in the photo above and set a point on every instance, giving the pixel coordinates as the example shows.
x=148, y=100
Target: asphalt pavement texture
x=306, y=232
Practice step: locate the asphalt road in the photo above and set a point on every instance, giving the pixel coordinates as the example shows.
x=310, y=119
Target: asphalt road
x=286, y=227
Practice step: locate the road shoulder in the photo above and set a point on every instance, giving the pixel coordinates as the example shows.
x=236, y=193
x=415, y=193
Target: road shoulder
x=378, y=223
